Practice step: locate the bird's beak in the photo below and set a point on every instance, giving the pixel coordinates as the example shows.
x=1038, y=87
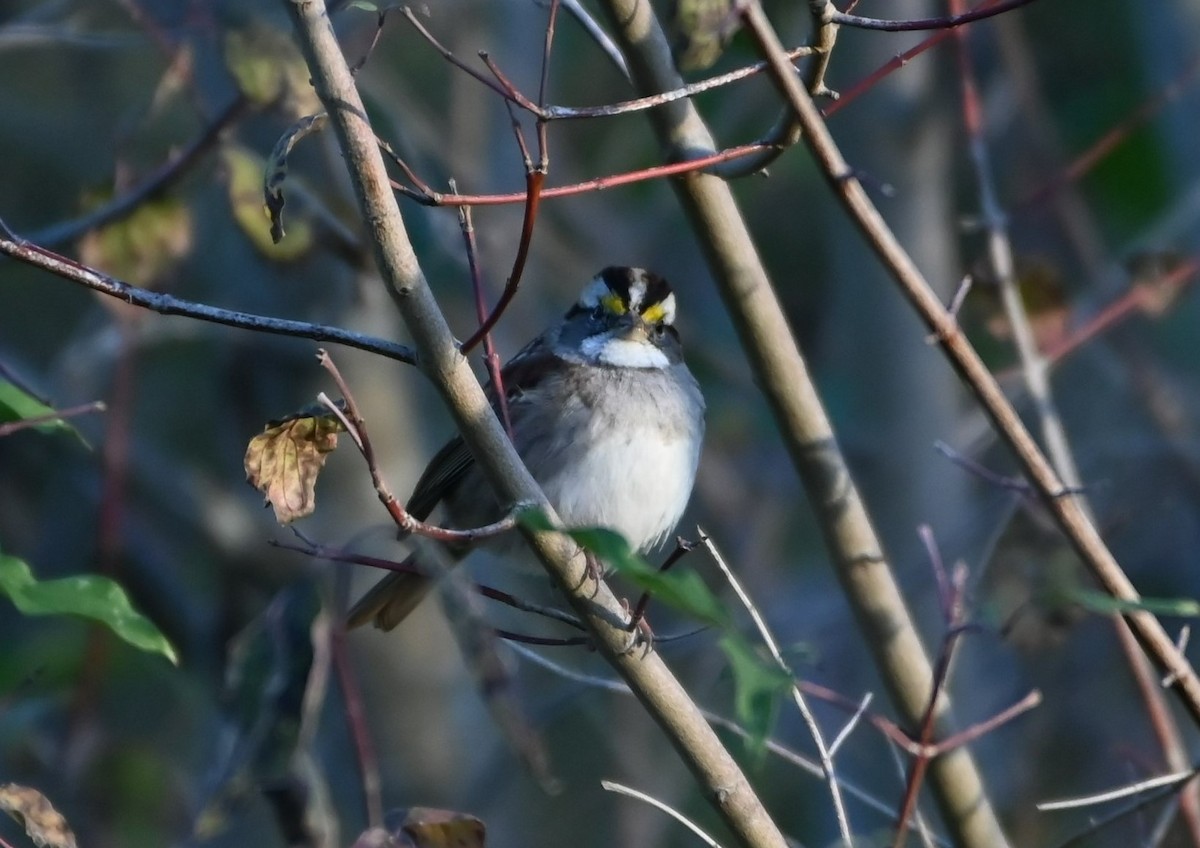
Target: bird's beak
x=635, y=331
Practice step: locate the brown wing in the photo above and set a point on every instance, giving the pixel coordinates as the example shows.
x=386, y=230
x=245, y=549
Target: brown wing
x=450, y=464
x=390, y=600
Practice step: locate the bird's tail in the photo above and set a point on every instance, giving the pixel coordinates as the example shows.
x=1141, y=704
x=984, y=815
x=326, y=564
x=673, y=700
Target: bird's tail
x=390, y=601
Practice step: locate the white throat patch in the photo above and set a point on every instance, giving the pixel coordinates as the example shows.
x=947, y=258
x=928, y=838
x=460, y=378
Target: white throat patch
x=622, y=353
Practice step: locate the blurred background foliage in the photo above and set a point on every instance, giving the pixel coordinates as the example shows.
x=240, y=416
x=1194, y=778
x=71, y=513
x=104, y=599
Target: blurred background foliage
x=98, y=95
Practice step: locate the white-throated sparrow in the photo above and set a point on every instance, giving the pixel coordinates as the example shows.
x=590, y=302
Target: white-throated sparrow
x=607, y=418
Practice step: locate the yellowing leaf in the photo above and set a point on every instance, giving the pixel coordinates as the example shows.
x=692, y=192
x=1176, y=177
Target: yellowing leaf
x=430, y=828
x=44, y=825
x=269, y=69
x=701, y=30
x=144, y=246
x=283, y=462
x=244, y=171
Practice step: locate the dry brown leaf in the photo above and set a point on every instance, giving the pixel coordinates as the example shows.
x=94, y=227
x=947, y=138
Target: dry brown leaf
x=432, y=828
x=43, y=823
x=283, y=462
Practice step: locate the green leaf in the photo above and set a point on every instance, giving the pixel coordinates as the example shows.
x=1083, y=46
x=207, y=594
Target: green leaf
x=680, y=588
x=87, y=595
x=1104, y=604
x=759, y=687
x=16, y=404
x=364, y=5
x=759, y=683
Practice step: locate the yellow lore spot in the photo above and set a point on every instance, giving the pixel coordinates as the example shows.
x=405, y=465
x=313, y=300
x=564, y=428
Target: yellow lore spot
x=613, y=303
x=654, y=314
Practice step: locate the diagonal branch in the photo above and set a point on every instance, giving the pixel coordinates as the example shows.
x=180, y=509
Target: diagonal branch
x=667, y=702
x=780, y=369
x=1063, y=505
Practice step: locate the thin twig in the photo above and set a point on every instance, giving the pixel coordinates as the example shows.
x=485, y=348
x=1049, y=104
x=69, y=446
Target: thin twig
x=850, y=724
x=157, y=182
x=954, y=610
x=502, y=86
x=491, y=359
x=380, y=21
x=533, y=195
x=810, y=720
x=783, y=752
x=671, y=811
x=166, y=304
x=1063, y=505
x=682, y=547
x=653, y=173
x=310, y=548
x=602, y=38
x=1126, y=791
x=353, y=421
x=356, y=720
x=50, y=417
x=949, y=22
x=1013, y=484
x=853, y=92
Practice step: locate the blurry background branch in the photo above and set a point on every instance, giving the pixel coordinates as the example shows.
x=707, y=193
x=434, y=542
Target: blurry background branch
x=1064, y=504
x=783, y=375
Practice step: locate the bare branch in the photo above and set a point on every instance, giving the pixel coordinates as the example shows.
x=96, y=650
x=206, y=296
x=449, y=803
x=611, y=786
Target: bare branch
x=160, y=180
x=1064, y=506
x=949, y=22
x=166, y=304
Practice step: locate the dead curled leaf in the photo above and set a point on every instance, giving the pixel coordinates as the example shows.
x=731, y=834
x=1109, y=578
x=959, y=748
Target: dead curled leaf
x=277, y=166
x=283, y=462
x=426, y=827
x=44, y=824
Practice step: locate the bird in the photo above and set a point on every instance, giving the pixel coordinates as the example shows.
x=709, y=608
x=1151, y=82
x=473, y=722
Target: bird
x=605, y=415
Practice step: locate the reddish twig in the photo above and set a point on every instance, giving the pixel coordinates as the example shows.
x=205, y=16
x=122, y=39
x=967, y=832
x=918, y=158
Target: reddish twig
x=491, y=359
x=895, y=63
x=356, y=721
x=533, y=194
x=505, y=89
x=955, y=609
x=1141, y=298
x=1116, y=135
x=512, y=94
x=353, y=421
x=450, y=57
x=60, y=414
x=598, y=183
